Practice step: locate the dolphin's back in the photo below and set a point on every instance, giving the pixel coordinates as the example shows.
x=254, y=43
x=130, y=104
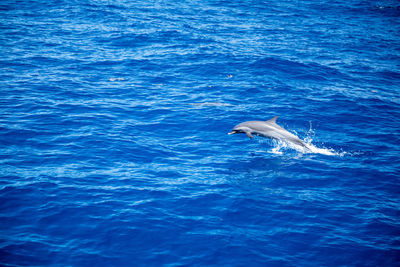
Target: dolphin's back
x=255, y=125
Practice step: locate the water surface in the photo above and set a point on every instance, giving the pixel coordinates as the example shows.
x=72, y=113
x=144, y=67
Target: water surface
x=113, y=133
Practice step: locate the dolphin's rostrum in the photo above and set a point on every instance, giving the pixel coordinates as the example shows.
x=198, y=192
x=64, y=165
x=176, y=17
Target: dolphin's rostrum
x=267, y=129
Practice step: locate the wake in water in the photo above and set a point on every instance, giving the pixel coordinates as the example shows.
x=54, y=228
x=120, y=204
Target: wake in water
x=280, y=146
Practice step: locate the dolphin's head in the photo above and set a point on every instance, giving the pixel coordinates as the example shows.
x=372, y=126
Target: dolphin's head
x=237, y=129
x=241, y=129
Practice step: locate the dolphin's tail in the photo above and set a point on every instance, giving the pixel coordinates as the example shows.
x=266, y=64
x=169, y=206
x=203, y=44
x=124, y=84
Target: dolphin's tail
x=301, y=143
x=306, y=146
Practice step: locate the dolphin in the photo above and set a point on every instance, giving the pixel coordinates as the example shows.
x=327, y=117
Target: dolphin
x=268, y=129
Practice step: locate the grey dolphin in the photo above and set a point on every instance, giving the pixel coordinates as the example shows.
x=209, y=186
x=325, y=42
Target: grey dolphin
x=267, y=129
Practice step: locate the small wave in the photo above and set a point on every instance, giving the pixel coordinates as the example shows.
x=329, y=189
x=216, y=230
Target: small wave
x=210, y=104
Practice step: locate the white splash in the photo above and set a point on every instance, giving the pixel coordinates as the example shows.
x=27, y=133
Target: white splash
x=280, y=146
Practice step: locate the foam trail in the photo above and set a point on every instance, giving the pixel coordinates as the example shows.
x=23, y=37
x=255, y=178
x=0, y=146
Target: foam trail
x=323, y=151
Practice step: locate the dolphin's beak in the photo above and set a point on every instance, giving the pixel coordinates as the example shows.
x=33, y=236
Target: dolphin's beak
x=232, y=132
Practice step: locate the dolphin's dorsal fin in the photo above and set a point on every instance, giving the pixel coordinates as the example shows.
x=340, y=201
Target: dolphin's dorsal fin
x=273, y=120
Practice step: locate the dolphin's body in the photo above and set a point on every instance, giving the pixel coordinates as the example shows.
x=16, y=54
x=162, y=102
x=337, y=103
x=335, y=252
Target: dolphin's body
x=267, y=129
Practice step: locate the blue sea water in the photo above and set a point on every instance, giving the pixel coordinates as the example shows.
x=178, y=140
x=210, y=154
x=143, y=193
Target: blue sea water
x=113, y=133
